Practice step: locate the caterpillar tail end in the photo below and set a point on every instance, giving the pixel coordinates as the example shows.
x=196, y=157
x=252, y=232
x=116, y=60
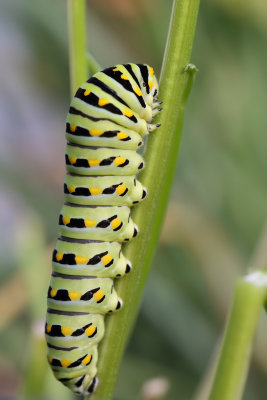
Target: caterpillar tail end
x=92, y=386
x=83, y=385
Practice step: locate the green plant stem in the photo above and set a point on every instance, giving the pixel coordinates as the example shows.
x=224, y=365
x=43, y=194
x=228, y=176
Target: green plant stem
x=92, y=64
x=249, y=298
x=77, y=43
x=161, y=158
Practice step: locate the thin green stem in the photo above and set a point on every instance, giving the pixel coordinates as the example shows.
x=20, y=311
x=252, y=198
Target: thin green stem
x=161, y=159
x=249, y=298
x=92, y=64
x=77, y=43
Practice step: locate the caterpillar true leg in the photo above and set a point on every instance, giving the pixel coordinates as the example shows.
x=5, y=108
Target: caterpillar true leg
x=107, y=120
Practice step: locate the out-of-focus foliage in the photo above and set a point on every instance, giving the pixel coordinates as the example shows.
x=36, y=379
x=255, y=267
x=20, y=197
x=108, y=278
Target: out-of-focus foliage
x=218, y=206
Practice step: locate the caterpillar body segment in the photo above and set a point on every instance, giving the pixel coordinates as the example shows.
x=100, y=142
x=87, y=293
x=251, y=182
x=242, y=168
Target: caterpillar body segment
x=107, y=120
x=83, y=294
x=102, y=161
x=106, y=223
x=80, y=130
x=103, y=190
x=90, y=258
x=76, y=331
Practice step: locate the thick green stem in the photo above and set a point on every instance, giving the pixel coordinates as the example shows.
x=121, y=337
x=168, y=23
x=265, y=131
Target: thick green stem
x=77, y=44
x=161, y=159
x=249, y=298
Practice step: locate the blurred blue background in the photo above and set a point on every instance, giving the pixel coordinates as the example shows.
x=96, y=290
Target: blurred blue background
x=215, y=224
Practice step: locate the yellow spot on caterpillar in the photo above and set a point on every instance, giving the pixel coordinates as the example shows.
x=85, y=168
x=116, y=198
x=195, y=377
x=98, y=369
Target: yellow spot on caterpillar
x=73, y=128
x=72, y=160
x=93, y=163
x=106, y=259
x=123, y=76
x=74, y=295
x=90, y=330
x=95, y=132
x=71, y=189
x=119, y=160
x=127, y=112
x=99, y=295
x=87, y=359
x=122, y=135
x=150, y=84
x=66, y=220
x=102, y=102
x=81, y=260
x=138, y=91
x=89, y=223
x=50, y=359
x=95, y=191
x=151, y=71
x=121, y=189
x=65, y=363
x=59, y=256
x=86, y=92
x=48, y=328
x=115, y=223
x=66, y=331
x=53, y=292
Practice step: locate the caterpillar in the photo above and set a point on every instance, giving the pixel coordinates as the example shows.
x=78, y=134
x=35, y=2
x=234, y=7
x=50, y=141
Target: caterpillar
x=108, y=119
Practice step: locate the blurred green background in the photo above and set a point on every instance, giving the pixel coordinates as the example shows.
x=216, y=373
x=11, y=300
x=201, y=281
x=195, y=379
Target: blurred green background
x=215, y=225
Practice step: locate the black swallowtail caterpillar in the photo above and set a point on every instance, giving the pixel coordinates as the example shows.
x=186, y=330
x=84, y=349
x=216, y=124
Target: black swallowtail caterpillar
x=107, y=120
